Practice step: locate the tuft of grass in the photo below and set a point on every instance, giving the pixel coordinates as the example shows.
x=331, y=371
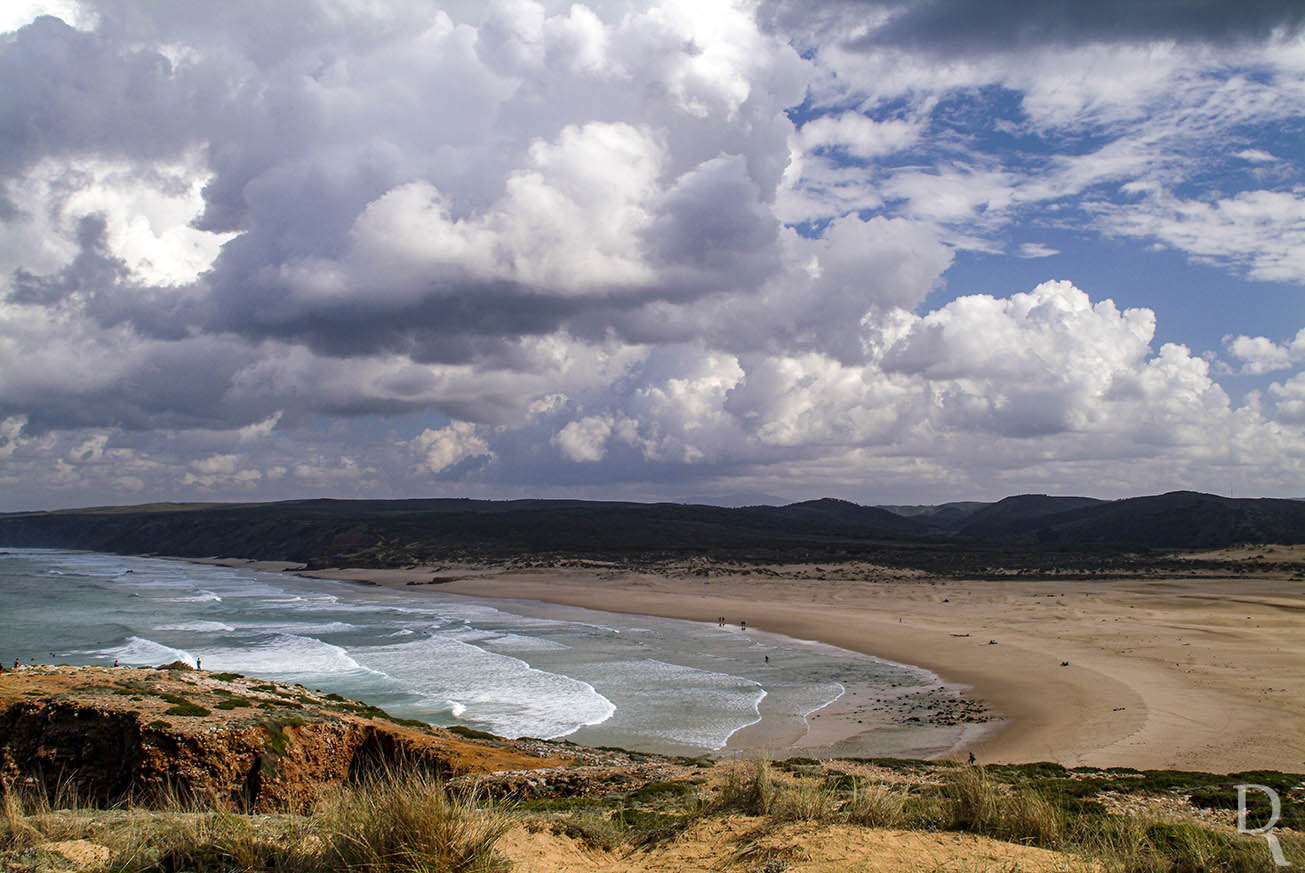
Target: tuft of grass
x=752, y=789
x=15, y=832
x=1132, y=845
x=749, y=788
x=214, y=843
x=595, y=830
x=975, y=802
x=408, y=823
x=877, y=806
x=393, y=822
x=805, y=801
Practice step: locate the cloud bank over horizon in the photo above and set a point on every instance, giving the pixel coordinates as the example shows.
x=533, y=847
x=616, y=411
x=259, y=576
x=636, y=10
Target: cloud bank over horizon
x=648, y=250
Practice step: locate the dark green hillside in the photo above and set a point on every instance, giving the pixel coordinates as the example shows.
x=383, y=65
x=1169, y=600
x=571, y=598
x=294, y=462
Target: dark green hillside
x=403, y=531
x=995, y=518
x=1177, y=520
x=1029, y=531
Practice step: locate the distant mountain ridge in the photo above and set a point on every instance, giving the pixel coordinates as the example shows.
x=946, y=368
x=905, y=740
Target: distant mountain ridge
x=404, y=531
x=1175, y=520
x=995, y=518
x=323, y=532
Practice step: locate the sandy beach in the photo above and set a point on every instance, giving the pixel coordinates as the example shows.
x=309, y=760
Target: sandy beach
x=1205, y=673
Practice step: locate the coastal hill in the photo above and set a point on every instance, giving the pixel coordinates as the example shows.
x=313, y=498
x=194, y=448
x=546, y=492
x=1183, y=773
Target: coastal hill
x=1177, y=520
x=325, y=532
x=398, y=532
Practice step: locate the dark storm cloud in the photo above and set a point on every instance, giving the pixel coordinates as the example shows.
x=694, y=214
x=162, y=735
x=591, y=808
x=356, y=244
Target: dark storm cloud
x=175, y=386
x=101, y=284
x=92, y=269
x=964, y=25
x=66, y=91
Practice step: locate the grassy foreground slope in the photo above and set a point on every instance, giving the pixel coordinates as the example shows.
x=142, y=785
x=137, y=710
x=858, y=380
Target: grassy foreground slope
x=799, y=816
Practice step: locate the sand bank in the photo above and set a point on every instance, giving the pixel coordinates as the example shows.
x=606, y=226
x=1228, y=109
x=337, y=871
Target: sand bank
x=1162, y=672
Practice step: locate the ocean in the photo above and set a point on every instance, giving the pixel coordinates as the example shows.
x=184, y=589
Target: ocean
x=515, y=668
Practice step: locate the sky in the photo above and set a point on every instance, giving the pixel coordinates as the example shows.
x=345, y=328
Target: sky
x=890, y=251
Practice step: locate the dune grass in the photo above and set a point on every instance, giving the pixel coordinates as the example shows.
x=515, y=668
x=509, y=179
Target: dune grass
x=972, y=800
x=389, y=822
x=407, y=822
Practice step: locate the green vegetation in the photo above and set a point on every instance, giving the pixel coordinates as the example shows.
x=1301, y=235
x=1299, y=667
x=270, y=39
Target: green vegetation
x=182, y=706
x=470, y=733
x=1019, y=804
x=408, y=822
x=234, y=702
x=276, y=736
x=389, y=823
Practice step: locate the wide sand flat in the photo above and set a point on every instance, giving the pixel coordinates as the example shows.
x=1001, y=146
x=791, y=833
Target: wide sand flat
x=1163, y=672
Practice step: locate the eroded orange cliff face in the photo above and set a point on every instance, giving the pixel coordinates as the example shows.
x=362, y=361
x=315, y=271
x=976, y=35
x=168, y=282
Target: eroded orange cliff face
x=111, y=734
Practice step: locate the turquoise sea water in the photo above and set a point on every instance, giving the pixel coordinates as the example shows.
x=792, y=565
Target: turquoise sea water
x=516, y=668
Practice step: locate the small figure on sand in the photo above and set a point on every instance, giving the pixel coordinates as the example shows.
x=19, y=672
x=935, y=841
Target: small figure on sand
x=115, y=662
x=767, y=657
x=972, y=758
x=198, y=664
x=743, y=624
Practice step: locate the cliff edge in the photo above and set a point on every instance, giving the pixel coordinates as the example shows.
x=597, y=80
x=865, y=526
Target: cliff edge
x=111, y=734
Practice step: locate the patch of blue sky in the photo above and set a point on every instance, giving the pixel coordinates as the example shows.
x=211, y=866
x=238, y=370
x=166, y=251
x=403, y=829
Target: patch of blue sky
x=1196, y=304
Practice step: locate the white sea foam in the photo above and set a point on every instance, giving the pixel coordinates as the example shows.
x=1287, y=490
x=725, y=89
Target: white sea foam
x=301, y=628
x=284, y=655
x=502, y=692
x=138, y=650
x=701, y=708
x=197, y=597
x=521, y=643
x=206, y=627
x=500, y=641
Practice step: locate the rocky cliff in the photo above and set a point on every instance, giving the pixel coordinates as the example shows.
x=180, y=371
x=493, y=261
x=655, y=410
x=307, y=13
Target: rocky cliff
x=110, y=734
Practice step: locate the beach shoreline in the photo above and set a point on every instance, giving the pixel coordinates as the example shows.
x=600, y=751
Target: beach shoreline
x=1204, y=674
